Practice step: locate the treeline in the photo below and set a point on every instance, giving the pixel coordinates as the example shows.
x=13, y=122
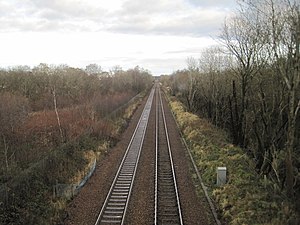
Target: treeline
x=250, y=86
x=72, y=86
x=50, y=117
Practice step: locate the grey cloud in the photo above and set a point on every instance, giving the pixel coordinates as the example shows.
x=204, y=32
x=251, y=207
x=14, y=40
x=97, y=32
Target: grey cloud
x=153, y=6
x=64, y=8
x=70, y=13
x=213, y=3
x=4, y=9
x=195, y=24
x=51, y=15
x=190, y=27
x=36, y=15
x=164, y=17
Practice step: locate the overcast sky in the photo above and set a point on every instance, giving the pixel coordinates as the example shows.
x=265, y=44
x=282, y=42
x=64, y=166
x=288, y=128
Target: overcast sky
x=157, y=35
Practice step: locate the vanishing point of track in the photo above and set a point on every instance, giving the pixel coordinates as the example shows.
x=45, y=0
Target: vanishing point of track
x=167, y=205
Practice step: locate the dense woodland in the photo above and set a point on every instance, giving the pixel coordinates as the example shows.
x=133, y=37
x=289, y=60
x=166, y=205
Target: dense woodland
x=249, y=85
x=50, y=117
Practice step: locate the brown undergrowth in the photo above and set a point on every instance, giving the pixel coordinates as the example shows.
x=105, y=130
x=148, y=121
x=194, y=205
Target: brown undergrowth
x=27, y=193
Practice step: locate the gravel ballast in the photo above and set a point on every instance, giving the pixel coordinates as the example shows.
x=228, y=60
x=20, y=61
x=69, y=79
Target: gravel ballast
x=85, y=207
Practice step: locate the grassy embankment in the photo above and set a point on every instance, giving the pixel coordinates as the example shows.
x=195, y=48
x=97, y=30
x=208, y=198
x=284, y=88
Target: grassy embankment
x=246, y=198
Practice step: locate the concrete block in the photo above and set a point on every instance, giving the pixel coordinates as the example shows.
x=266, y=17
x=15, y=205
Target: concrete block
x=221, y=176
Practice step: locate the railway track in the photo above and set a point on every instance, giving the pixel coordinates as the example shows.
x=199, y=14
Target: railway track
x=115, y=206
x=167, y=210
x=167, y=204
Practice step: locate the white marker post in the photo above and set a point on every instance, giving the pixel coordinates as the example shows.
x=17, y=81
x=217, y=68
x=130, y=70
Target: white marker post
x=221, y=176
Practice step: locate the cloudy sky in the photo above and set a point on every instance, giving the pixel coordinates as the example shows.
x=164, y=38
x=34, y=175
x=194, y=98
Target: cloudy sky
x=157, y=35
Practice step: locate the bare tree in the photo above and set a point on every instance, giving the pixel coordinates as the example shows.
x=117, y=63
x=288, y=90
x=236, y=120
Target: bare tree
x=93, y=69
x=213, y=63
x=193, y=72
x=269, y=32
x=284, y=36
x=241, y=36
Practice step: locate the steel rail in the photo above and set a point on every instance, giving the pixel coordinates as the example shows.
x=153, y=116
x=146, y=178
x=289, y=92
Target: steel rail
x=115, y=205
x=166, y=133
x=156, y=156
x=204, y=188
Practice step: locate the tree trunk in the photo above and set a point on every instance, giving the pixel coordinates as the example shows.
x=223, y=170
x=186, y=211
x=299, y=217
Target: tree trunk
x=5, y=153
x=57, y=115
x=236, y=116
x=292, y=83
x=290, y=144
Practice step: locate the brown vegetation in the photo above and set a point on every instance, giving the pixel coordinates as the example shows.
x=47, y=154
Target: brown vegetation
x=51, y=118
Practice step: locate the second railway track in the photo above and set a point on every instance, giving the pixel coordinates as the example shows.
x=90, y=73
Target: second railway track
x=167, y=203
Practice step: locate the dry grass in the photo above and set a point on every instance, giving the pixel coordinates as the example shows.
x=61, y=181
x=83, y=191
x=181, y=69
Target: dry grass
x=89, y=156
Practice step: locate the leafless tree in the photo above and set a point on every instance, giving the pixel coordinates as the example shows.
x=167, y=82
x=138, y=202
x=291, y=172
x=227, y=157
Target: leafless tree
x=241, y=36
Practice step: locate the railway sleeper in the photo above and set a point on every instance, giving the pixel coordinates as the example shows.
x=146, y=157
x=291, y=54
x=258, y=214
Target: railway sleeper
x=119, y=193
x=125, y=178
x=111, y=221
x=121, y=209
x=166, y=185
x=165, y=173
x=170, y=221
x=127, y=171
x=170, y=215
x=117, y=200
x=169, y=195
x=166, y=182
x=168, y=205
x=121, y=190
x=165, y=163
x=171, y=211
x=118, y=187
x=123, y=182
x=113, y=212
x=119, y=196
x=112, y=216
x=166, y=189
x=165, y=178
